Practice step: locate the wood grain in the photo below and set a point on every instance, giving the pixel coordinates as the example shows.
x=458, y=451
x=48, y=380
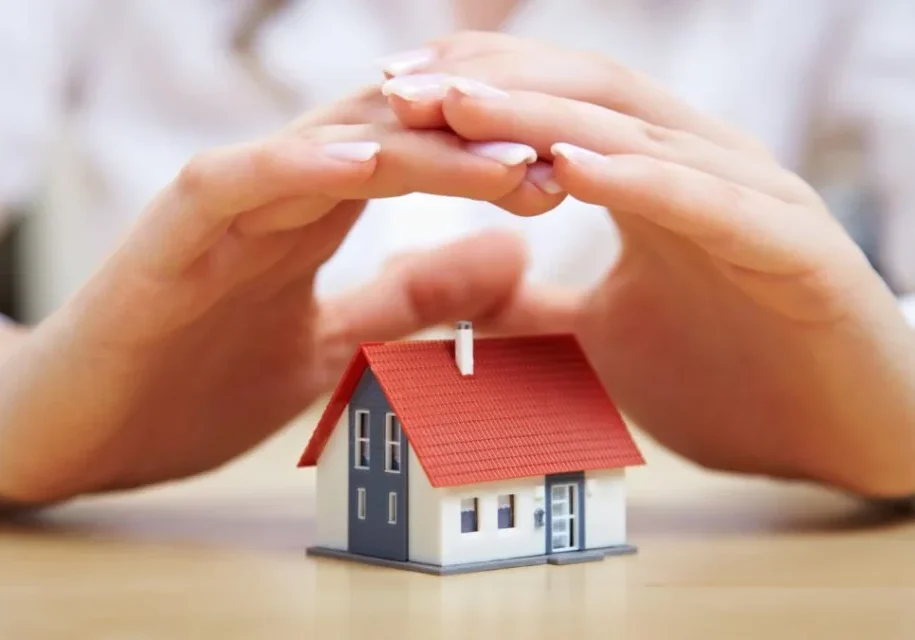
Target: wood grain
x=222, y=557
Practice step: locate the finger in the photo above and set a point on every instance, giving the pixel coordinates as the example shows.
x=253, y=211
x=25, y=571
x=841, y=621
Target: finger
x=457, y=46
x=743, y=227
x=214, y=188
x=578, y=76
x=244, y=184
x=536, y=195
x=416, y=100
x=433, y=162
x=478, y=112
x=417, y=112
x=438, y=164
x=478, y=279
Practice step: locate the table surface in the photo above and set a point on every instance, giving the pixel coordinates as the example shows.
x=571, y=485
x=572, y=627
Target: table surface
x=221, y=556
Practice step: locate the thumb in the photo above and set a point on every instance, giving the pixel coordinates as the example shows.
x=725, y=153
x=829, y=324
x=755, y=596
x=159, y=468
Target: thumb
x=479, y=278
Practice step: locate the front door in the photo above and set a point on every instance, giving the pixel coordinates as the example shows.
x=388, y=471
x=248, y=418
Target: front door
x=565, y=513
x=378, y=475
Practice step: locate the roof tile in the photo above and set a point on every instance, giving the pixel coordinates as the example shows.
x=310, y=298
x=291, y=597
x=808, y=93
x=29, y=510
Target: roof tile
x=533, y=406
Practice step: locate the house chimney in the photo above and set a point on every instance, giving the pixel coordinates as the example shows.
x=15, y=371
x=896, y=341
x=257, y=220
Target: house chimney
x=463, y=347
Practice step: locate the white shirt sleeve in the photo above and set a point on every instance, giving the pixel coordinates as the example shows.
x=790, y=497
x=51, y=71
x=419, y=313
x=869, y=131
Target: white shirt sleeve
x=40, y=49
x=875, y=94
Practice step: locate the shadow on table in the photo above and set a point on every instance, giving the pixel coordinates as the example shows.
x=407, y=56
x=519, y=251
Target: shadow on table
x=261, y=526
x=785, y=511
x=283, y=525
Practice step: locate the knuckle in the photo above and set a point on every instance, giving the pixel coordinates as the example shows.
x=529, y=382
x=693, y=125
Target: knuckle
x=659, y=136
x=616, y=80
x=196, y=175
x=262, y=160
x=733, y=197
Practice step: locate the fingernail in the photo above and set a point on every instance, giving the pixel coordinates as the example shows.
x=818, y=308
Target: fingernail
x=474, y=88
x=573, y=153
x=406, y=61
x=428, y=86
x=508, y=153
x=541, y=175
x=352, y=151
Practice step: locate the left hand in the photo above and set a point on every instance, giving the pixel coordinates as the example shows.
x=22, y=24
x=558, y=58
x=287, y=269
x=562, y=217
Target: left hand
x=202, y=334
x=741, y=326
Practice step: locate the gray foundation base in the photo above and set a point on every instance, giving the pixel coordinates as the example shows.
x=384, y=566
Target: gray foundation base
x=574, y=557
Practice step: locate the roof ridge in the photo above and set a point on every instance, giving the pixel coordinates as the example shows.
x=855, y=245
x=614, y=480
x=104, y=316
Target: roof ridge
x=477, y=338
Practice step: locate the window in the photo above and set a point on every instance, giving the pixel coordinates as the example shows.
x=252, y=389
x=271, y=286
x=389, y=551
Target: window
x=507, y=511
x=361, y=438
x=469, y=522
x=360, y=503
x=392, y=507
x=391, y=443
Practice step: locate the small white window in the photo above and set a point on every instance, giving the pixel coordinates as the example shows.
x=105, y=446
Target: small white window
x=392, y=507
x=360, y=503
x=361, y=439
x=469, y=521
x=392, y=440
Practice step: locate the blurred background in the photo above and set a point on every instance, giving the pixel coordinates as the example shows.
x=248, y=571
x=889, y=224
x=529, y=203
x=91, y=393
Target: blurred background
x=104, y=100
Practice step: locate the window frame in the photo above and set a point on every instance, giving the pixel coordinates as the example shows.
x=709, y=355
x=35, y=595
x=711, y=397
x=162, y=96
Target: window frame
x=359, y=440
x=390, y=444
x=361, y=502
x=475, y=510
x=511, y=500
x=392, y=507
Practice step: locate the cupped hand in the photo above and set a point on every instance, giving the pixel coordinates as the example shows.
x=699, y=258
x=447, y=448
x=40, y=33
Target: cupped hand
x=201, y=336
x=741, y=326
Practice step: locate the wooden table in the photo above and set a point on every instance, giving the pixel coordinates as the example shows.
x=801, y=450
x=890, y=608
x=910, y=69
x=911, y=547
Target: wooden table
x=222, y=557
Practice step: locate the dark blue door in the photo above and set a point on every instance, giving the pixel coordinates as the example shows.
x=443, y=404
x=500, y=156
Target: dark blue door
x=378, y=475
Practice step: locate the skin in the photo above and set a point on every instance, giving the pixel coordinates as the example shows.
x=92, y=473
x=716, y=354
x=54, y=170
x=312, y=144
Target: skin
x=741, y=326
x=201, y=335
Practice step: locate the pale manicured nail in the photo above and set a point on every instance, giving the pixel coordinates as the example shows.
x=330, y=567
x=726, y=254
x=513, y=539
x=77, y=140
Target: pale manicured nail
x=352, y=151
x=406, y=61
x=541, y=175
x=508, y=153
x=429, y=86
x=573, y=153
x=474, y=88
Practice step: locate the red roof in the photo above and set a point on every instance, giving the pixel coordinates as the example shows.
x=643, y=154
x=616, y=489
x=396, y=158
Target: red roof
x=533, y=406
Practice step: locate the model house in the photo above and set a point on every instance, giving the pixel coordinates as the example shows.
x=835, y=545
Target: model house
x=448, y=456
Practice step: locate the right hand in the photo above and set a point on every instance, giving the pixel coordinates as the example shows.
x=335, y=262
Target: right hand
x=201, y=335
x=741, y=326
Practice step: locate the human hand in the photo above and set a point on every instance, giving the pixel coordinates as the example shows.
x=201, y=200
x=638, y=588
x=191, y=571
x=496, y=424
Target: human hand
x=201, y=336
x=741, y=326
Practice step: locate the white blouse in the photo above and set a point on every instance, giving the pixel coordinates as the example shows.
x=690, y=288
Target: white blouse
x=104, y=100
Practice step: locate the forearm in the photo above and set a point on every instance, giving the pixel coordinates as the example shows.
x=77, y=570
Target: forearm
x=11, y=335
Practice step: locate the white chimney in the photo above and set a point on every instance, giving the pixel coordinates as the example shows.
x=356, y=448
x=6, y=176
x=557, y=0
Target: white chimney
x=463, y=347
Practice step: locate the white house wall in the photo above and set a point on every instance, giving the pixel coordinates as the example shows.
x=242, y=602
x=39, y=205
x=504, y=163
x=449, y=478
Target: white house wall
x=435, y=518
x=490, y=542
x=332, y=482
x=605, y=508
x=424, y=533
